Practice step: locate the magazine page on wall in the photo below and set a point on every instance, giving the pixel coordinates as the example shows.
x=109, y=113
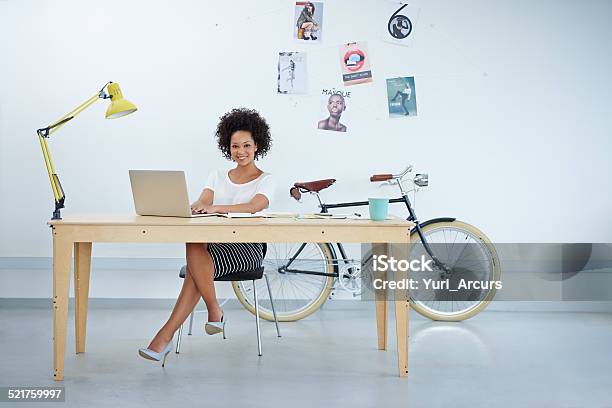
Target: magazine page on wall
x=292, y=73
x=401, y=97
x=398, y=24
x=335, y=110
x=308, y=22
x=355, y=63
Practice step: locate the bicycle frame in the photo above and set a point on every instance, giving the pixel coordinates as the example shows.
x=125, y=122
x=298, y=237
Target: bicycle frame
x=325, y=209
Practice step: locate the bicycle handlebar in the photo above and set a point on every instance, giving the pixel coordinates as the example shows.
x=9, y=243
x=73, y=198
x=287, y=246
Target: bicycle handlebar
x=403, y=173
x=386, y=177
x=381, y=177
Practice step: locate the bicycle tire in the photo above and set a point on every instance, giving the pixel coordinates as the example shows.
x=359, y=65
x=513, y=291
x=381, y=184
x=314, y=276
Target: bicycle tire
x=428, y=312
x=318, y=298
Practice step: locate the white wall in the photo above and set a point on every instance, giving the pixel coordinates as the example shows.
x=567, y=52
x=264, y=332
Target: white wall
x=513, y=127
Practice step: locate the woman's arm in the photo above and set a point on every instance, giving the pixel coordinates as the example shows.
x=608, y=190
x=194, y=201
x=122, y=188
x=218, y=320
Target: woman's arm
x=301, y=19
x=204, y=201
x=258, y=203
x=305, y=18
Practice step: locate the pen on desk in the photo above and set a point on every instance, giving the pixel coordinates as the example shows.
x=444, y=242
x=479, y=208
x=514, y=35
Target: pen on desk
x=357, y=214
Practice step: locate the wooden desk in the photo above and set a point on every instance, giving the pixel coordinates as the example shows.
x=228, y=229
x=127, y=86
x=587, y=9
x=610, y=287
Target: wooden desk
x=79, y=232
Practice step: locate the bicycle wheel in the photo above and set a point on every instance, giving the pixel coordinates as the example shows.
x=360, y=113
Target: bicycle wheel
x=296, y=295
x=471, y=257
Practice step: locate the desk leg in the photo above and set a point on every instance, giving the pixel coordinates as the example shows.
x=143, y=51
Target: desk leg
x=62, y=254
x=82, y=268
x=381, y=300
x=402, y=308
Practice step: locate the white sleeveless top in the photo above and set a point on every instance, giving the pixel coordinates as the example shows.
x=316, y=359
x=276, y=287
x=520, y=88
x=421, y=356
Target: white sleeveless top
x=226, y=192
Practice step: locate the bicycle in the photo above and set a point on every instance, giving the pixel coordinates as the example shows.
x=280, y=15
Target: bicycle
x=302, y=276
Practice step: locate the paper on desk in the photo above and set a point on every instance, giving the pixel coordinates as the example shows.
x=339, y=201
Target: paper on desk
x=262, y=214
x=323, y=216
x=313, y=216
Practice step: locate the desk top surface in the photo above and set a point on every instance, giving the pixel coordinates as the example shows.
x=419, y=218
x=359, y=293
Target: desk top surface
x=132, y=220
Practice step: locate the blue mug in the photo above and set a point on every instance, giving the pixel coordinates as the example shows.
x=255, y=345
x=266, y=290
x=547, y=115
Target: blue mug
x=379, y=208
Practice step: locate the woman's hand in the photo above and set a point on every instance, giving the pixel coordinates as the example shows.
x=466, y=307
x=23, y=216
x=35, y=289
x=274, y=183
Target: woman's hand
x=199, y=208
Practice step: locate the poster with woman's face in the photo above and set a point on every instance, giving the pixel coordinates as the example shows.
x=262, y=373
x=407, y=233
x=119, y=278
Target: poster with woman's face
x=401, y=97
x=308, y=22
x=355, y=63
x=292, y=73
x=334, y=105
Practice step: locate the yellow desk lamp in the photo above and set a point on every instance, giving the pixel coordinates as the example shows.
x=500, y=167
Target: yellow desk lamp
x=119, y=107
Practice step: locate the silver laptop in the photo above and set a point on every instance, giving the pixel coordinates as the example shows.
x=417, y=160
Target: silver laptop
x=161, y=193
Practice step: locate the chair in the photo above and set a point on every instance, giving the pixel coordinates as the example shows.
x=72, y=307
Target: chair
x=252, y=275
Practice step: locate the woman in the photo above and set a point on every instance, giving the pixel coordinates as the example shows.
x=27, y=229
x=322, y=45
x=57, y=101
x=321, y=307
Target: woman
x=306, y=22
x=405, y=94
x=242, y=136
x=335, y=106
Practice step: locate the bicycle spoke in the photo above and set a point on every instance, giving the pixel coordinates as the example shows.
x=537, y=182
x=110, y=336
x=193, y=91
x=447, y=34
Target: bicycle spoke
x=292, y=290
x=466, y=256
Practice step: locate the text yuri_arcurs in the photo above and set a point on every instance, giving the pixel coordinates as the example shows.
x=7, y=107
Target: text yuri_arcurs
x=384, y=263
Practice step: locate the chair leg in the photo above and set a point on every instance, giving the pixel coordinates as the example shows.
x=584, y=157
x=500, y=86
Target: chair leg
x=272, y=303
x=257, y=319
x=190, y=323
x=178, y=340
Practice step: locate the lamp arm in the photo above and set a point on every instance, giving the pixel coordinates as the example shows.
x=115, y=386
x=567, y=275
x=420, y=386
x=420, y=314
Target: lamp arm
x=55, y=126
x=43, y=135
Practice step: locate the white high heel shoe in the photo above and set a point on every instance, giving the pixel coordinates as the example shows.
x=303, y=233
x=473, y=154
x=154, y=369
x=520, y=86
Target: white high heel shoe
x=154, y=355
x=215, y=327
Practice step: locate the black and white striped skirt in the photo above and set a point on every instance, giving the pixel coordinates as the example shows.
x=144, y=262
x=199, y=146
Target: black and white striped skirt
x=230, y=258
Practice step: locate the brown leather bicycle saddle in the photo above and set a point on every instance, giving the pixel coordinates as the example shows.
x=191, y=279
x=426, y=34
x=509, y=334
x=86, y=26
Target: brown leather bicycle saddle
x=315, y=186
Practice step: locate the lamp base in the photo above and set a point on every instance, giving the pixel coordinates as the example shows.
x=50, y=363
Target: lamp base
x=58, y=206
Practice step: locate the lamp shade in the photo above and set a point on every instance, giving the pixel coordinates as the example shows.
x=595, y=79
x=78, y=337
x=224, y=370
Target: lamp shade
x=119, y=106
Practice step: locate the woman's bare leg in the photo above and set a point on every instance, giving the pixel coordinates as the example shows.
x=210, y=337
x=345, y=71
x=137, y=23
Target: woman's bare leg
x=307, y=29
x=201, y=268
x=199, y=283
x=187, y=300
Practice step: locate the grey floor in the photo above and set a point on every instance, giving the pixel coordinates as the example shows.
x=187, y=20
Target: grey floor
x=497, y=359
